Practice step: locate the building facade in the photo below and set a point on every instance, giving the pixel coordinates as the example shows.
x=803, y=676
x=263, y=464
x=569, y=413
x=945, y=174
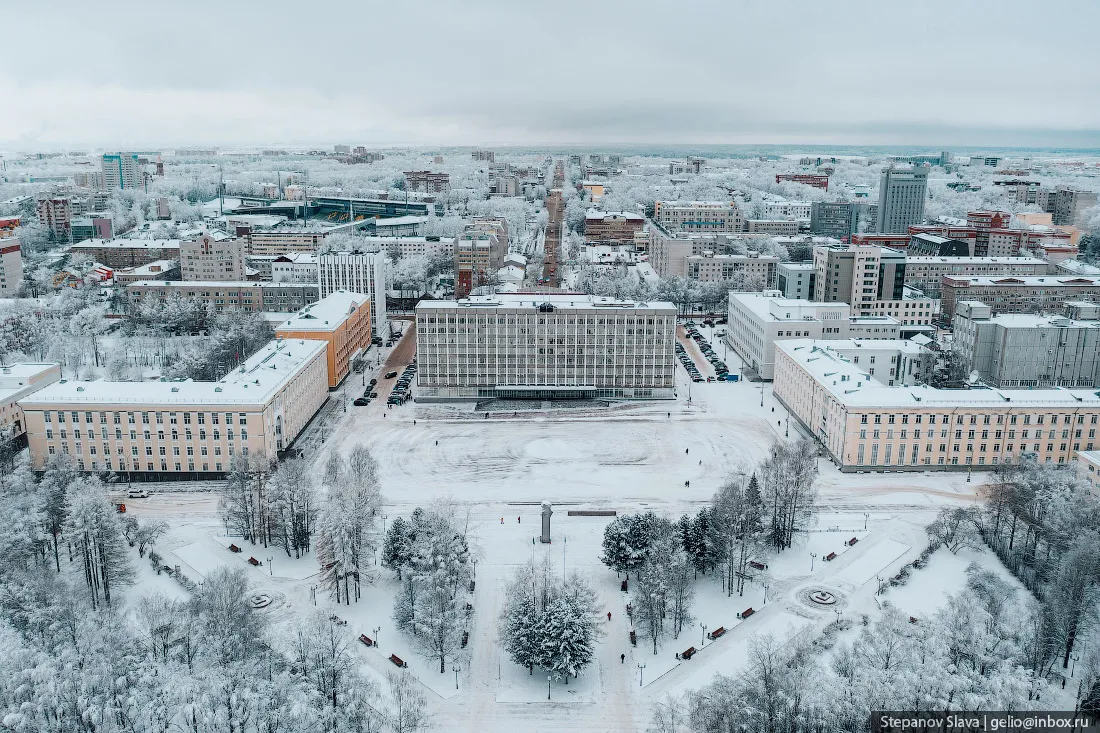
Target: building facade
x=249, y=296
x=55, y=212
x=11, y=267
x=1031, y=294
x=842, y=219
x=752, y=271
x=427, y=182
x=927, y=273
x=757, y=320
x=18, y=381
x=795, y=280
x=342, y=321
x=866, y=425
x=119, y=253
x=772, y=227
x=1069, y=205
x=699, y=217
x=901, y=196
x=357, y=272
x=611, y=227
x=164, y=430
x=870, y=279
x=545, y=347
x=1025, y=350
x=298, y=267
x=122, y=170
x=808, y=179
x=210, y=259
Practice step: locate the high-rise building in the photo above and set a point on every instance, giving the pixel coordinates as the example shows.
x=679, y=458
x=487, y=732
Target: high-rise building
x=871, y=279
x=901, y=196
x=1069, y=205
x=122, y=170
x=842, y=219
x=55, y=212
x=479, y=252
x=427, y=182
x=212, y=259
x=357, y=272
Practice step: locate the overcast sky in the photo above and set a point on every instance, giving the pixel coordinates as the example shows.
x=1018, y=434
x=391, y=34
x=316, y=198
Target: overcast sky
x=123, y=74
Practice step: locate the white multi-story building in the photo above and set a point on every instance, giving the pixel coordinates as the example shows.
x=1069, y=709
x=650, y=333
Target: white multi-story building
x=210, y=259
x=795, y=280
x=357, y=272
x=545, y=346
x=926, y=273
x=297, y=267
x=757, y=320
x=122, y=170
x=865, y=424
x=786, y=209
x=16, y=382
x=700, y=217
x=397, y=247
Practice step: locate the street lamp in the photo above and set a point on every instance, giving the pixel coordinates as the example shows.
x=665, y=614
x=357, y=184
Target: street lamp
x=457, y=670
x=813, y=556
x=703, y=641
x=866, y=515
x=761, y=392
x=641, y=672
x=765, y=595
x=787, y=428
x=1075, y=656
x=548, y=680
x=376, y=629
x=269, y=562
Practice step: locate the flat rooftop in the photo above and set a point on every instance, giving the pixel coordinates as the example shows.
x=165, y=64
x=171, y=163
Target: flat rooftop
x=1026, y=281
x=532, y=301
x=207, y=284
x=127, y=244
x=853, y=387
x=932, y=260
x=254, y=382
x=326, y=314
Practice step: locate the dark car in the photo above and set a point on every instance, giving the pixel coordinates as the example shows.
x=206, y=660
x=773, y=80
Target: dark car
x=373, y=382
x=361, y=402
x=391, y=375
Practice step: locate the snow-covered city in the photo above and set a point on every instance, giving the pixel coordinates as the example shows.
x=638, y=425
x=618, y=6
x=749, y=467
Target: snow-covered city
x=324, y=407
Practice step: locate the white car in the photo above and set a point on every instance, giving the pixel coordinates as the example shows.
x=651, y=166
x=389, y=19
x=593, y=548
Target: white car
x=138, y=493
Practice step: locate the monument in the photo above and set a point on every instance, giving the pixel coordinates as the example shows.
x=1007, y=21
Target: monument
x=546, y=512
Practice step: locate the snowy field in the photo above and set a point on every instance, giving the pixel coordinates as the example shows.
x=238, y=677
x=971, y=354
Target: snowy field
x=666, y=456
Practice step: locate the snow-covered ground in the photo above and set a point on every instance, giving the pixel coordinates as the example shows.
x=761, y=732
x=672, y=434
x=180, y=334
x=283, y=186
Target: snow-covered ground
x=666, y=456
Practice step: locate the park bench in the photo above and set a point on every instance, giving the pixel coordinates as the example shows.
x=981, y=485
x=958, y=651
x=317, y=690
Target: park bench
x=633, y=638
x=716, y=633
x=234, y=548
x=398, y=661
x=757, y=565
x=853, y=541
x=746, y=613
x=254, y=561
x=366, y=640
x=830, y=556
x=688, y=654
x=465, y=638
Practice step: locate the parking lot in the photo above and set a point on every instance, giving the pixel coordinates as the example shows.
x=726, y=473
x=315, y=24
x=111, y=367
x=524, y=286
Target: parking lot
x=697, y=356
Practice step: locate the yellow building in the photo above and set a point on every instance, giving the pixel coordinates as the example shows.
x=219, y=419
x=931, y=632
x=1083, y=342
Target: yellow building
x=342, y=321
x=595, y=190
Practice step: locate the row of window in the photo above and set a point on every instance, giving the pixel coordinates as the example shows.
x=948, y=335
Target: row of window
x=78, y=449
x=147, y=434
x=973, y=419
x=131, y=417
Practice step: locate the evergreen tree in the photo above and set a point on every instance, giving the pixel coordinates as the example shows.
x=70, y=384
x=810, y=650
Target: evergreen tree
x=396, y=550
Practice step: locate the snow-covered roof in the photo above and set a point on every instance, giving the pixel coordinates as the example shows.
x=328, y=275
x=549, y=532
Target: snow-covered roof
x=119, y=243
x=856, y=389
x=597, y=214
x=207, y=284
x=533, y=300
x=1028, y=281
x=933, y=260
x=397, y=221
x=253, y=383
x=326, y=314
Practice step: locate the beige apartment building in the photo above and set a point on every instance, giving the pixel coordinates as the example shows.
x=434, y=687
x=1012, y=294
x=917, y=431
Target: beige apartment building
x=681, y=255
x=611, y=227
x=479, y=253
x=772, y=227
x=700, y=217
x=159, y=270
x=866, y=425
x=212, y=259
x=545, y=346
x=164, y=430
x=754, y=270
x=926, y=273
x=1030, y=294
x=16, y=382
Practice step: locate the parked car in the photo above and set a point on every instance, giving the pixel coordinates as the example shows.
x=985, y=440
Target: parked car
x=361, y=402
x=391, y=375
x=138, y=493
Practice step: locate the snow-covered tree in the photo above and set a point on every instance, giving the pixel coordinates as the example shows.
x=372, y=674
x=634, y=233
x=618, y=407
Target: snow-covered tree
x=346, y=524
x=93, y=527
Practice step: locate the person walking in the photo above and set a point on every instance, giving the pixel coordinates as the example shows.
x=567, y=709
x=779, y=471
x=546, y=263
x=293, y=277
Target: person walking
x=622, y=659
x=609, y=615
x=502, y=520
x=519, y=520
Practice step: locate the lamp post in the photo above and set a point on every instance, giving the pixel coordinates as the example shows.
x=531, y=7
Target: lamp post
x=376, y=629
x=548, y=680
x=641, y=673
x=761, y=392
x=1074, y=657
x=457, y=670
x=866, y=516
x=787, y=427
x=837, y=612
x=703, y=641
x=269, y=563
x=765, y=595
x=813, y=556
